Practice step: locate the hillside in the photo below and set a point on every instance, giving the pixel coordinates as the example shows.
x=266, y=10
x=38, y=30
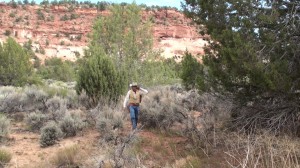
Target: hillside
x=61, y=31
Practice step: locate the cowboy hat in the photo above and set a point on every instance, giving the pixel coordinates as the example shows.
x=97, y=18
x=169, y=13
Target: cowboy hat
x=133, y=84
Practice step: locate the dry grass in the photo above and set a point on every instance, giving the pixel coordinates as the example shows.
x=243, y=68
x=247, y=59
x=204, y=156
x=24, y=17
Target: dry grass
x=156, y=149
x=5, y=157
x=67, y=157
x=263, y=150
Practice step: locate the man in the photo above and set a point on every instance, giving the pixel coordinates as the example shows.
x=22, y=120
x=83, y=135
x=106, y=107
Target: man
x=132, y=101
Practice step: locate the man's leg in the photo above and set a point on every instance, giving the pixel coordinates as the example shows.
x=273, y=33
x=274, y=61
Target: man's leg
x=137, y=109
x=132, y=117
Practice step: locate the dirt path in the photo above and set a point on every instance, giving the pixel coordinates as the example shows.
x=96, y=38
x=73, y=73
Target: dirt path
x=27, y=153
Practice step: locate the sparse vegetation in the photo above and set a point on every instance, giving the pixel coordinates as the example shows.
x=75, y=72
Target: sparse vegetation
x=18, y=19
x=78, y=37
x=7, y=33
x=73, y=16
x=65, y=17
x=47, y=42
x=13, y=4
x=12, y=14
x=40, y=15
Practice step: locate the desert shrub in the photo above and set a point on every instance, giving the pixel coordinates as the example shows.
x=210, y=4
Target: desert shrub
x=64, y=18
x=18, y=19
x=36, y=120
x=12, y=14
x=78, y=38
x=5, y=157
x=71, y=124
x=14, y=99
x=84, y=100
x=35, y=98
x=4, y=126
x=7, y=33
x=56, y=107
x=72, y=99
x=73, y=16
x=67, y=157
x=12, y=102
x=18, y=117
x=50, y=134
x=109, y=121
x=40, y=15
x=161, y=109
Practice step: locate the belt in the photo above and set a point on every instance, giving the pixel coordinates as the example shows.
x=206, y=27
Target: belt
x=134, y=104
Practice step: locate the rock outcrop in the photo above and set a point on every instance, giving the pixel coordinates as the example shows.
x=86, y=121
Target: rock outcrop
x=67, y=39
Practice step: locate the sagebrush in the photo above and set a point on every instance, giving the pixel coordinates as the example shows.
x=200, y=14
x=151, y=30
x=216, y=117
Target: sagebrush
x=4, y=126
x=50, y=134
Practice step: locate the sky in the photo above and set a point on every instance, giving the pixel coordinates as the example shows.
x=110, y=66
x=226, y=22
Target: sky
x=172, y=3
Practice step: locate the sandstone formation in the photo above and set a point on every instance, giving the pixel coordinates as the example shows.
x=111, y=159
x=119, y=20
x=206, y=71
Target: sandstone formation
x=67, y=38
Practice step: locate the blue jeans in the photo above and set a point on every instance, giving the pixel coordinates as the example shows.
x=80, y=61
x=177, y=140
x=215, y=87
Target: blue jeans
x=134, y=112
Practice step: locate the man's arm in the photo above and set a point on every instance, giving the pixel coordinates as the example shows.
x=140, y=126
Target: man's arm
x=126, y=100
x=144, y=91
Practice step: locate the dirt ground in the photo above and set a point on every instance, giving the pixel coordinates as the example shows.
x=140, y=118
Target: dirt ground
x=27, y=153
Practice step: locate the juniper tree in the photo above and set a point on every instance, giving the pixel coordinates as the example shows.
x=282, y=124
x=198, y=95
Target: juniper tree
x=15, y=66
x=98, y=78
x=254, y=55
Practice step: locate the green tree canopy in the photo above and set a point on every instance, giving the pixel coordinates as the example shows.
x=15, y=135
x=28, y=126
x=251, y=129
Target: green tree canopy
x=57, y=69
x=15, y=66
x=123, y=36
x=191, y=72
x=254, y=54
